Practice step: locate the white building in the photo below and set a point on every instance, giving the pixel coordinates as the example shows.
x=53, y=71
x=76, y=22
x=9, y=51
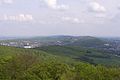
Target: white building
x=27, y=47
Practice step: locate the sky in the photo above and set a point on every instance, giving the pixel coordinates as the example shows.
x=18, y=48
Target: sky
x=60, y=17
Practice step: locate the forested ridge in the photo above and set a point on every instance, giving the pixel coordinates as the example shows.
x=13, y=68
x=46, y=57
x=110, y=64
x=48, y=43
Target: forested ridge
x=30, y=64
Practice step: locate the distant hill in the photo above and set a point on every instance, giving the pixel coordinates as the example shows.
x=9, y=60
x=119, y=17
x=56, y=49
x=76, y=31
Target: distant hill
x=84, y=41
x=7, y=38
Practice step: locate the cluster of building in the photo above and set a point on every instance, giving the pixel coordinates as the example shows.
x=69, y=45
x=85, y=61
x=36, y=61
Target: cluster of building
x=29, y=43
x=113, y=47
x=21, y=44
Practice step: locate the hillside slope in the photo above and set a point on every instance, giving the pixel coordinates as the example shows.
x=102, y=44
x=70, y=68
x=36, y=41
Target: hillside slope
x=28, y=64
x=92, y=56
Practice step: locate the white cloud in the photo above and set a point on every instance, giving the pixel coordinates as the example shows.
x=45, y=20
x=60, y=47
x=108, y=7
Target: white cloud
x=100, y=15
x=72, y=20
x=19, y=18
x=54, y=5
x=51, y=3
x=6, y=1
x=96, y=7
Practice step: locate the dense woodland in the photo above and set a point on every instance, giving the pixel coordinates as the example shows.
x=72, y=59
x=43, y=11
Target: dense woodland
x=31, y=64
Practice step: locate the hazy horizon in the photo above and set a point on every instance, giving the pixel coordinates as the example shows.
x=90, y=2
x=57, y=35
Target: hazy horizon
x=19, y=36
x=60, y=17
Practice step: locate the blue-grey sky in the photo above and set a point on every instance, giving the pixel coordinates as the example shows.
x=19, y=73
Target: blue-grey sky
x=59, y=17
